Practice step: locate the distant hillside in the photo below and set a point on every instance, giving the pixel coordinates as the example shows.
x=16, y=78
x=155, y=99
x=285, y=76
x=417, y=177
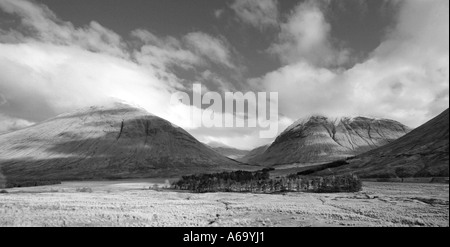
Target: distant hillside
x=424, y=152
x=320, y=139
x=253, y=154
x=232, y=153
x=116, y=141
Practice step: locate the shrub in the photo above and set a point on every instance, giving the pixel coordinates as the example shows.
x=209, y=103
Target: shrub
x=347, y=183
x=3, y=192
x=155, y=187
x=84, y=190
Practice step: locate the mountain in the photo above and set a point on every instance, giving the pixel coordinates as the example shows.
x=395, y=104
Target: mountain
x=319, y=139
x=253, y=153
x=232, y=153
x=421, y=153
x=116, y=141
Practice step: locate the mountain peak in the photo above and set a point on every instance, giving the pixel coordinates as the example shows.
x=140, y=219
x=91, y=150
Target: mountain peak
x=116, y=140
x=319, y=138
x=423, y=152
x=334, y=122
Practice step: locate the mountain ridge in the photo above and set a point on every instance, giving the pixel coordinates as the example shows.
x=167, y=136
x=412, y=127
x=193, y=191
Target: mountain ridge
x=321, y=139
x=118, y=141
x=423, y=152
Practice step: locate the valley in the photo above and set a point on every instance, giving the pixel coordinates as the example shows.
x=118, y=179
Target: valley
x=114, y=162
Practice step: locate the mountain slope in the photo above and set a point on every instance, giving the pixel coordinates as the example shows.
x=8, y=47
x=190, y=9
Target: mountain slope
x=227, y=151
x=232, y=153
x=320, y=139
x=116, y=141
x=424, y=152
x=253, y=153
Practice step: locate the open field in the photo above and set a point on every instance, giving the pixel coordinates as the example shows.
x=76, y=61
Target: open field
x=132, y=203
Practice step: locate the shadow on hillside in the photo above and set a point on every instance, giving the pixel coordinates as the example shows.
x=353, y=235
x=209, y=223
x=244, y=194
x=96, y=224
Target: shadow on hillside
x=98, y=112
x=99, y=168
x=137, y=148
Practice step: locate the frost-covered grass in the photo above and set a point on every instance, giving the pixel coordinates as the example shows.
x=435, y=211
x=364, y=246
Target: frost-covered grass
x=132, y=203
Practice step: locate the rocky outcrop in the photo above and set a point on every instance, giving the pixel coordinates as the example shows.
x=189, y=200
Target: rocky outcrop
x=320, y=139
x=424, y=152
x=116, y=141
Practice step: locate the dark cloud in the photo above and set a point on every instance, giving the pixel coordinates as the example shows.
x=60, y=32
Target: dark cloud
x=2, y=100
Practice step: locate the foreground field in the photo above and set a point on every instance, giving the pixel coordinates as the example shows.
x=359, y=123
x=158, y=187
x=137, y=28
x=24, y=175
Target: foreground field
x=132, y=203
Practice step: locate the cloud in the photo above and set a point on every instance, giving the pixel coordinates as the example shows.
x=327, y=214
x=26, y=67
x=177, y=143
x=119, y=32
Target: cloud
x=8, y=124
x=362, y=6
x=50, y=67
x=162, y=53
x=305, y=37
x=38, y=21
x=2, y=100
x=57, y=68
x=406, y=78
x=194, y=49
x=219, y=13
x=241, y=138
x=409, y=71
x=208, y=77
x=261, y=14
x=298, y=86
x=216, y=50
x=64, y=78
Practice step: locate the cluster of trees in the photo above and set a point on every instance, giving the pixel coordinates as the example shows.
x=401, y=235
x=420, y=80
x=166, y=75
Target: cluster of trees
x=260, y=182
x=237, y=181
x=318, y=168
x=17, y=184
x=331, y=184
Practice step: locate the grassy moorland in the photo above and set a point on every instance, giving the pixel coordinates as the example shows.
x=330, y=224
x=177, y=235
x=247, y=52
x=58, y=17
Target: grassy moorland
x=139, y=203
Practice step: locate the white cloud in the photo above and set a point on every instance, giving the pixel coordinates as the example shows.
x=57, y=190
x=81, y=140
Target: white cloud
x=258, y=13
x=240, y=138
x=59, y=68
x=218, y=13
x=44, y=24
x=214, y=49
x=194, y=49
x=164, y=53
x=305, y=37
x=298, y=86
x=8, y=124
x=68, y=77
x=406, y=78
x=208, y=77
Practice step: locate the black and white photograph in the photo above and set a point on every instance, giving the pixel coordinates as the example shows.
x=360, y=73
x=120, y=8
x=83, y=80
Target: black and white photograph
x=224, y=114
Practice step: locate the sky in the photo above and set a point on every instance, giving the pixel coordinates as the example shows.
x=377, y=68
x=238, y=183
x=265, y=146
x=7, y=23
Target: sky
x=375, y=58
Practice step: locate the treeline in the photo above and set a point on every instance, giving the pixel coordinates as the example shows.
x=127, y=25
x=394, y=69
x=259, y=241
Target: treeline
x=330, y=184
x=260, y=182
x=322, y=167
x=17, y=184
